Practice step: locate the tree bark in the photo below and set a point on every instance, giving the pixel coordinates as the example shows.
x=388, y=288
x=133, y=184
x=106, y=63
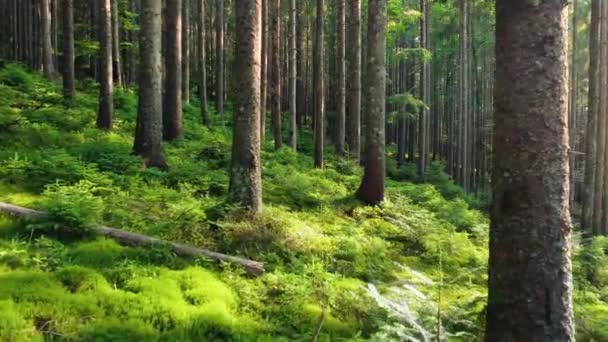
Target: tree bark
x=589, y=187
x=341, y=81
x=202, y=82
x=293, y=120
x=353, y=78
x=275, y=71
x=148, y=132
x=301, y=63
x=264, y=73
x=67, y=14
x=530, y=281
x=186, y=51
x=246, y=171
x=463, y=167
x=371, y=190
x=319, y=113
x=172, y=101
x=219, y=58
x=117, y=66
x=47, y=43
x=106, y=102
x=134, y=239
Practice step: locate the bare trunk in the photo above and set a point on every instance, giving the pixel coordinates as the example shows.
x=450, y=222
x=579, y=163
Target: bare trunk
x=293, y=123
x=172, y=101
x=148, y=132
x=117, y=66
x=67, y=14
x=319, y=130
x=202, y=66
x=371, y=190
x=246, y=171
x=106, y=104
x=341, y=81
x=353, y=78
x=530, y=281
x=47, y=43
x=219, y=58
x=264, y=78
x=186, y=51
x=275, y=71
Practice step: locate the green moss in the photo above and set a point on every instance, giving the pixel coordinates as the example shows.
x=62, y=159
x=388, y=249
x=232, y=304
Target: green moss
x=99, y=253
x=13, y=326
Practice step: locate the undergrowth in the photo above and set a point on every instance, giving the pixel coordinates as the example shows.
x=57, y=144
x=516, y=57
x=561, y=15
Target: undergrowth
x=352, y=272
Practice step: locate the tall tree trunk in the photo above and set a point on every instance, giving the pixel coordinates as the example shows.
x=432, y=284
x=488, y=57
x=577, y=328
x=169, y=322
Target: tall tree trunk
x=67, y=39
x=293, y=122
x=353, y=77
x=301, y=63
x=246, y=171
x=341, y=82
x=117, y=66
x=47, y=44
x=106, y=102
x=589, y=189
x=202, y=66
x=275, y=71
x=371, y=190
x=602, y=183
x=172, y=102
x=572, y=102
x=424, y=90
x=219, y=58
x=186, y=51
x=264, y=73
x=530, y=281
x=148, y=131
x=463, y=167
x=319, y=130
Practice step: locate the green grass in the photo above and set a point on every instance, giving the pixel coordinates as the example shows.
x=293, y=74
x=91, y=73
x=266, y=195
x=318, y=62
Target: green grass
x=321, y=247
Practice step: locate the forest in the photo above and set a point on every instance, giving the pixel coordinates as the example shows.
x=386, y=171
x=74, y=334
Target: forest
x=304, y=170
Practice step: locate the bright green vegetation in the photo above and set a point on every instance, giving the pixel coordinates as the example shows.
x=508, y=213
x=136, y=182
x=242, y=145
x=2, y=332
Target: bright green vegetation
x=363, y=272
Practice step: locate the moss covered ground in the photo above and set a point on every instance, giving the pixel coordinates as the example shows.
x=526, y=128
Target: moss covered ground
x=414, y=267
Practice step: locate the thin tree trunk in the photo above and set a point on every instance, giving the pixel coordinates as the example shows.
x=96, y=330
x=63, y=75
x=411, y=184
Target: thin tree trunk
x=341, y=81
x=589, y=191
x=148, y=132
x=106, y=104
x=601, y=209
x=572, y=109
x=202, y=68
x=371, y=190
x=301, y=63
x=47, y=43
x=219, y=58
x=246, y=171
x=275, y=71
x=172, y=102
x=264, y=72
x=186, y=51
x=353, y=78
x=530, y=280
x=117, y=66
x=293, y=122
x=319, y=130
x=67, y=39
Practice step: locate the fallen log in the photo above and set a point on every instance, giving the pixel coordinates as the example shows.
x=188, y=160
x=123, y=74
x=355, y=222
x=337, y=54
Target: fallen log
x=133, y=239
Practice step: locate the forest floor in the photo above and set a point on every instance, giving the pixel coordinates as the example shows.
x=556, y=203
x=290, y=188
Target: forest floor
x=337, y=270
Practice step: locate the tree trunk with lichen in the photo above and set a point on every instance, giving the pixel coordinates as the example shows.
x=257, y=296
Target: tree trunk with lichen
x=246, y=171
x=371, y=190
x=530, y=281
x=106, y=102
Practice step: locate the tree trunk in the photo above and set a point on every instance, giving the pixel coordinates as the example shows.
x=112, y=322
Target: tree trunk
x=67, y=14
x=293, y=122
x=202, y=82
x=117, y=66
x=264, y=73
x=246, y=171
x=275, y=71
x=148, y=132
x=219, y=58
x=172, y=102
x=530, y=281
x=425, y=89
x=341, y=81
x=589, y=189
x=319, y=130
x=371, y=190
x=601, y=211
x=106, y=102
x=301, y=63
x=47, y=44
x=572, y=102
x=463, y=167
x=353, y=78
x=186, y=51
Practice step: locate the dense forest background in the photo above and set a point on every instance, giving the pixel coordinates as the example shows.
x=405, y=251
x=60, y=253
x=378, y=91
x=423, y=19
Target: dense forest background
x=343, y=160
